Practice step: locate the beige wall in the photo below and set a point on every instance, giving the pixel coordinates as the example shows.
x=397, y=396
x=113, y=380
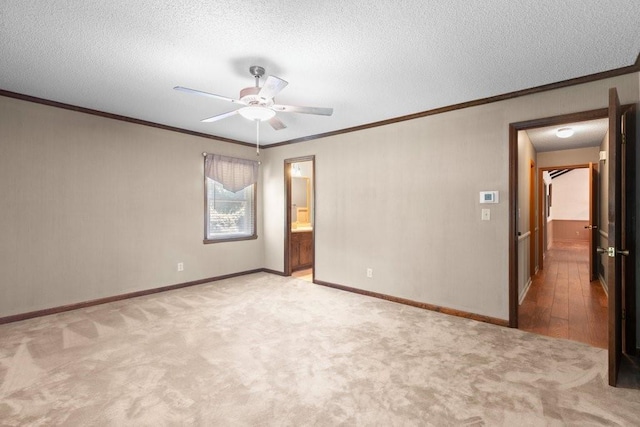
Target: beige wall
x=570, y=230
x=402, y=199
x=571, y=195
x=577, y=156
x=93, y=207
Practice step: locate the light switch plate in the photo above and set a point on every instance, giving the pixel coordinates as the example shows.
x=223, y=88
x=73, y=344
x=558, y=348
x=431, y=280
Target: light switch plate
x=486, y=214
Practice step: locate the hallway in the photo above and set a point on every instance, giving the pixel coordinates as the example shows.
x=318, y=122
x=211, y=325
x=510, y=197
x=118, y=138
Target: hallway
x=562, y=302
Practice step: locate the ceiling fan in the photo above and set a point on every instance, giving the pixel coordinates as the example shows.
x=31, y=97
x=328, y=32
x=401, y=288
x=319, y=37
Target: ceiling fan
x=258, y=102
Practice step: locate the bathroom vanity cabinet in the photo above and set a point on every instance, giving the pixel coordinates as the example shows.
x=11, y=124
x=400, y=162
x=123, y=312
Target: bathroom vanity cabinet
x=301, y=253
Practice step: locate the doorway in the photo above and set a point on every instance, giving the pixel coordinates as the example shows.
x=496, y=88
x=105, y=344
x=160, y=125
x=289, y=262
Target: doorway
x=519, y=171
x=300, y=217
x=619, y=254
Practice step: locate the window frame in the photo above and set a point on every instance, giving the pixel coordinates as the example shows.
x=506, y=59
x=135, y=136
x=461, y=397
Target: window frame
x=254, y=208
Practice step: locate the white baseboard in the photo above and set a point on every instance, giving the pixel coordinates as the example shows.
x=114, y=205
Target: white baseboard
x=605, y=287
x=524, y=291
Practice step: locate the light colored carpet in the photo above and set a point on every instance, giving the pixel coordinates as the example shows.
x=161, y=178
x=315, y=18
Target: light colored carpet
x=266, y=350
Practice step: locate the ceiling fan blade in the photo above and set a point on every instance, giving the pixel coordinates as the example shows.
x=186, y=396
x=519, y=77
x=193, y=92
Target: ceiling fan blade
x=272, y=87
x=305, y=110
x=220, y=116
x=210, y=95
x=276, y=123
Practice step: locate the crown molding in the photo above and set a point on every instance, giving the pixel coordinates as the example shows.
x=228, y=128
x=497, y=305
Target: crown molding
x=474, y=103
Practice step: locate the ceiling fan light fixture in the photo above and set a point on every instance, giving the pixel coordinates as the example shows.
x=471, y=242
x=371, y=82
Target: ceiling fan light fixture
x=564, y=132
x=259, y=102
x=256, y=113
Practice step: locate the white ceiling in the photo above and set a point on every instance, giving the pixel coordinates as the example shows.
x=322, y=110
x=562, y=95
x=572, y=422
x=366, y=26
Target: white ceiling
x=370, y=61
x=586, y=134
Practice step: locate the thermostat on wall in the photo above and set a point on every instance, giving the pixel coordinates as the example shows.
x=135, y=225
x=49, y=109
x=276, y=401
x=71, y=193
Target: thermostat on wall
x=489, y=197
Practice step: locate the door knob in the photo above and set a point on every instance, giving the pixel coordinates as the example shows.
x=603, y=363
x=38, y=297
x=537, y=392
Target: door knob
x=591, y=227
x=612, y=251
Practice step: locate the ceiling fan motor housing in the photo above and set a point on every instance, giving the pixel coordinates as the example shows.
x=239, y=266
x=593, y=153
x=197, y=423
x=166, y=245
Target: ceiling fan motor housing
x=249, y=95
x=256, y=71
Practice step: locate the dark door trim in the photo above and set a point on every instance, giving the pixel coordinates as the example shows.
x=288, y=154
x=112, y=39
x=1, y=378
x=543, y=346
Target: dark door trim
x=513, y=191
x=287, y=210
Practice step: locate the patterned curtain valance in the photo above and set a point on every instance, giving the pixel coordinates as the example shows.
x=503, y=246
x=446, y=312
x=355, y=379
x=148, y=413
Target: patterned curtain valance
x=234, y=174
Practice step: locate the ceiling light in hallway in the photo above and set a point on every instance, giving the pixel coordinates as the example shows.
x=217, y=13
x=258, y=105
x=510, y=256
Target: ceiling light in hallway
x=564, y=132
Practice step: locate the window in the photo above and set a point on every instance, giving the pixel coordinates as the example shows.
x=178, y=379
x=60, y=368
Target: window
x=230, y=193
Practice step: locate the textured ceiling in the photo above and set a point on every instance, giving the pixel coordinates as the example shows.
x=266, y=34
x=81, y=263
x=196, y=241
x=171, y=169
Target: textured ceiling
x=370, y=61
x=586, y=134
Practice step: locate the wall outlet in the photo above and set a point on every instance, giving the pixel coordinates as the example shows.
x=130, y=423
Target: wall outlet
x=369, y=272
x=181, y=266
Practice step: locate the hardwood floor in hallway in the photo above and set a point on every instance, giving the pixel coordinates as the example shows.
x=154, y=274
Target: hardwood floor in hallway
x=562, y=302
x=304, y=274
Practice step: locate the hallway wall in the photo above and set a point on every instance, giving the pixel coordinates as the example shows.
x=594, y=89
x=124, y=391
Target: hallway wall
x=526, y=154
x=576, y=156
x=570, y=206
x=570, y=196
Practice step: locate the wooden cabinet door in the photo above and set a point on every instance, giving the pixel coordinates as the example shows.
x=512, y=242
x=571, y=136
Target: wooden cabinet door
x=306, y=251
x=294, y=251
x=301, y=250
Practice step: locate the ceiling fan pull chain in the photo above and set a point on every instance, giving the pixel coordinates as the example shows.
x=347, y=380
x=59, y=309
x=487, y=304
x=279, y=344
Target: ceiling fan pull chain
x=257, y=137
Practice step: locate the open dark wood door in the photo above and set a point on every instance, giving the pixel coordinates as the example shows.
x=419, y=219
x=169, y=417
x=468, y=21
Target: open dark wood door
x=629, y=292
x=593, y=221
x=617, y=235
